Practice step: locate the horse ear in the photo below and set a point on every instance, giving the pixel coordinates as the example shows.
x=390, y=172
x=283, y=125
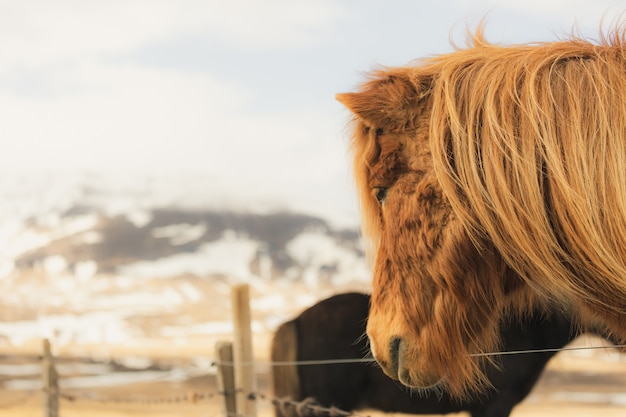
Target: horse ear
x=389, y=101
x=364, y=106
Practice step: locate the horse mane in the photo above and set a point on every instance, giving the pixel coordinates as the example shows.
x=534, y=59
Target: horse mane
x=528, y=144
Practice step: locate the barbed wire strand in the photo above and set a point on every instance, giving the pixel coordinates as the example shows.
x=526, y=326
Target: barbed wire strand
x=308, y=407
x=189, y=397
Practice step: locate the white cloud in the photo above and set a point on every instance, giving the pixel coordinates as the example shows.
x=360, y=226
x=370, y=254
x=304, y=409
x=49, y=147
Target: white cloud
x=274, y=23
x=121, y=115
x=36, y=32
x=128, y=119
x=33, y=32
x=67, y=105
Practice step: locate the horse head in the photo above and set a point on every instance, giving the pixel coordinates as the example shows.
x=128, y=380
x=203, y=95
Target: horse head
x=488, y=183
x=426, y=270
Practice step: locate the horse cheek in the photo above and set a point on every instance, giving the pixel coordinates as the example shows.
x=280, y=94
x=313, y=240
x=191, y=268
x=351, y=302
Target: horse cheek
x=383, y=316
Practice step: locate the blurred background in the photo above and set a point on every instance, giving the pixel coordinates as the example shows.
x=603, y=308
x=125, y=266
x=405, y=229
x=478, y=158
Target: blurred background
x=154, y=152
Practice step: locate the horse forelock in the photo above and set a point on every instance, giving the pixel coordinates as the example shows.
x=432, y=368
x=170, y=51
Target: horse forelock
x=390, y=102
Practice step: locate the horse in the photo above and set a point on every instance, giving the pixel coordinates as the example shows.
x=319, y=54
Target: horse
x=490, y=181
x=334, y=329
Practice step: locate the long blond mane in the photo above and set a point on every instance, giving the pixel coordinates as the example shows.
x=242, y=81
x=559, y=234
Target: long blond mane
x=529, y=146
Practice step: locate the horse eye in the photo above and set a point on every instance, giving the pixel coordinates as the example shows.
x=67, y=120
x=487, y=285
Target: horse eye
x=381, y=194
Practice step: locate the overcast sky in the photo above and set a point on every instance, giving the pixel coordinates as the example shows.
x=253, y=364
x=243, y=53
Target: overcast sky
x=239, y=90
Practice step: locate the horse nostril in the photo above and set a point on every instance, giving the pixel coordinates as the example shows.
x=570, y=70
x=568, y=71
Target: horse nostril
x=394, y=356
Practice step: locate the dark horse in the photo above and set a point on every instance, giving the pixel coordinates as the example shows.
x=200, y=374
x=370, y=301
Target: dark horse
x=334, y=329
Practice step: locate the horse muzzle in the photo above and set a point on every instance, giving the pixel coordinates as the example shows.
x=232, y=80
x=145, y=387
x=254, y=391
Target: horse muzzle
x=400, y=362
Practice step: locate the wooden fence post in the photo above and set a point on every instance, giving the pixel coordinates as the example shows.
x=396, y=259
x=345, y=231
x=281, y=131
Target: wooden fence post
x=226, y=376
x=242, y=351
x=50, y=383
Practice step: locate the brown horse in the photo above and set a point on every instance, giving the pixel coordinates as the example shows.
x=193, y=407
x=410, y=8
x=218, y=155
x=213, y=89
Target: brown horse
x=490, y=179
x=334, y=328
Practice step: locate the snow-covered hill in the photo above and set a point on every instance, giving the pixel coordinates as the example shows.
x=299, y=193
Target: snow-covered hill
x=93, y=260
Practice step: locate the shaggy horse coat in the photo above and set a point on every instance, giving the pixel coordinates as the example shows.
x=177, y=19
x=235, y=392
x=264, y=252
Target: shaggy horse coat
x=491, y=179
x=334, y=329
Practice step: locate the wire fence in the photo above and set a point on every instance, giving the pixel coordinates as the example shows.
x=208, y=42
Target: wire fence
x=305, y=408
x=235, y=379
x=225, y=368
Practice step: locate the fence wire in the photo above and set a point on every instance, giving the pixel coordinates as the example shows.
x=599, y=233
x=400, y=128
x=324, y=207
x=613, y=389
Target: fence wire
x=192, y=397
x=308, y=407
x=305, y=408
x=370, y=359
